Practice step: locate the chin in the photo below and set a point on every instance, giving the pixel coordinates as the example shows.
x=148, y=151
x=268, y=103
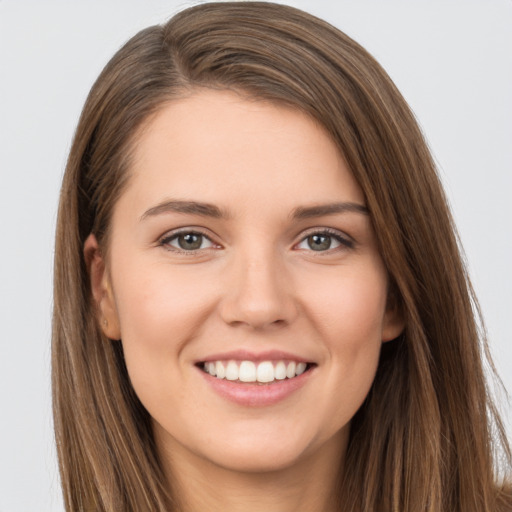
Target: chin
x=259, y=459
x=267, y=451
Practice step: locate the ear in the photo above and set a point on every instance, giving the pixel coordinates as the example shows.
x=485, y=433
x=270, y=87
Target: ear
x=101, y=288
x=394, y=323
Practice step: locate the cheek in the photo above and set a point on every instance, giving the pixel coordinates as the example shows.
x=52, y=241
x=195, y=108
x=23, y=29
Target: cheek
x=347, y=305
x=160, y=310
x=348, y=312
x=356, y=334
x=157, y=302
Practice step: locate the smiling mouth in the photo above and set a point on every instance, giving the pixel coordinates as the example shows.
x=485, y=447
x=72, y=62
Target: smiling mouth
x=264, y=372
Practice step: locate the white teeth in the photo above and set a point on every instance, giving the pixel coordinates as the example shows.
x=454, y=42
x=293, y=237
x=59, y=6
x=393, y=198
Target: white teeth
x=301, y=367
x=220, y=370
x=280, y=371
x=265, y=372
x=248, y=371
x=232, y=371
x=290, y=370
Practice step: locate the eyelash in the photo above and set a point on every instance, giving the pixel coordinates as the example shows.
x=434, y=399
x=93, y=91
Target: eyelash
x=344, y=241
x=169, y=237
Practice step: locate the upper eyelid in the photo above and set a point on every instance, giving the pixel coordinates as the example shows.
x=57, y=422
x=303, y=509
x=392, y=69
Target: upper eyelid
x=187, y=229
x=346, y=242
x=165, y=240
x=327, y=231
x=168, y=235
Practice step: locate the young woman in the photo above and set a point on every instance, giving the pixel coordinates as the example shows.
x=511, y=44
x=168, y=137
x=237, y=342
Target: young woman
x=259, y=298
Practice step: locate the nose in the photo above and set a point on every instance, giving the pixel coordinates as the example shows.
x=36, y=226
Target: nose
x=259, y=293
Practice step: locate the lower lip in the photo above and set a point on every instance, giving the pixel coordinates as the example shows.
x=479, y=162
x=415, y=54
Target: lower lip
x=256, y=395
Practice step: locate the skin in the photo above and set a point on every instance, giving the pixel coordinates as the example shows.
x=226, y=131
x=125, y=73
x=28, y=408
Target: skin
x=256, y=284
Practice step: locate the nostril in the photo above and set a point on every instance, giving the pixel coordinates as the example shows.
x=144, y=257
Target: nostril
x=258, y=322
x=258, y=298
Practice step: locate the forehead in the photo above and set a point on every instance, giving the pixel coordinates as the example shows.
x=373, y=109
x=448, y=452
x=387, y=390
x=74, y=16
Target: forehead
x=219, y=147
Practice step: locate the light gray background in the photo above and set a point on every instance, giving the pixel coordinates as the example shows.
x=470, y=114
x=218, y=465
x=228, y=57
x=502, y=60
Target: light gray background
x=452, y=59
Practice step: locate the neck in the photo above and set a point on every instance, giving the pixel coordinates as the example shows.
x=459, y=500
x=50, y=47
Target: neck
x=309, y=485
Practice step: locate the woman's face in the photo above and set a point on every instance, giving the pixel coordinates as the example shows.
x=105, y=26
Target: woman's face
x=242, y=245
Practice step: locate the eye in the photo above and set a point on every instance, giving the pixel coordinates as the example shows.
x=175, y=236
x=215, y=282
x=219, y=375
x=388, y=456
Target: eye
x=188, y=241
x=324, y=241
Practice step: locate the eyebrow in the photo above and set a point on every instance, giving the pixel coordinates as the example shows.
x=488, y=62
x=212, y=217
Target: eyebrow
x=210, y=210
x=190, y=207
x=309, y=212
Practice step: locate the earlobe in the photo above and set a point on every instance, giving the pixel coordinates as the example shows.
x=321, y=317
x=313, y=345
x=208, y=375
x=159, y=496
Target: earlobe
x=101, y=288
x=394, y=323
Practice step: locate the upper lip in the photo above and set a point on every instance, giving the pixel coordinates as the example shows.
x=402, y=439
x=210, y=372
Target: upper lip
x=246, y=355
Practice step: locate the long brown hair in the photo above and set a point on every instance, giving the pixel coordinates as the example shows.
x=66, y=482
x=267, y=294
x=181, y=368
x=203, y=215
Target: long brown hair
x=428, y=437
